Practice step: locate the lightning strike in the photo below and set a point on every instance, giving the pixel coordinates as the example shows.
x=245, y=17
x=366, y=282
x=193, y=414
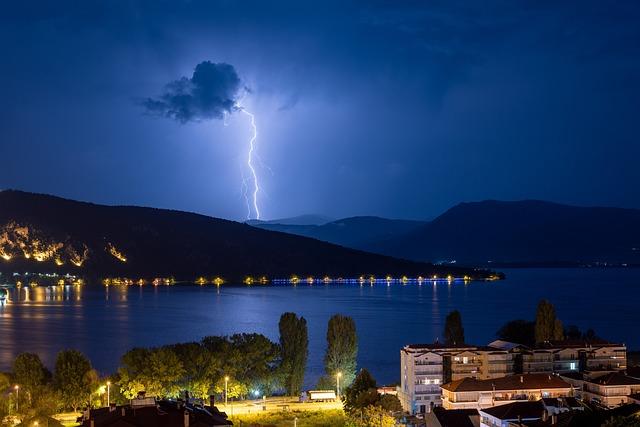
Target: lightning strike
x=250, y=155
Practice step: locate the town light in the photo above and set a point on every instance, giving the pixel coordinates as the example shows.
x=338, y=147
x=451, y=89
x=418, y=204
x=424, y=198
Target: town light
x=108, y=393
x=338, y=376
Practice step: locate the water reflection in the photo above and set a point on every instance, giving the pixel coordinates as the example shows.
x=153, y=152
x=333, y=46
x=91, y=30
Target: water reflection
x=104, y=322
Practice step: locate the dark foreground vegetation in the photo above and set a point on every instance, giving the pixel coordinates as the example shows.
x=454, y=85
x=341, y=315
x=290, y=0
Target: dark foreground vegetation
x=234, y=367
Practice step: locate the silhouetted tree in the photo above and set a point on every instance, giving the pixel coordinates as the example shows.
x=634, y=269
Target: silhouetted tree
x=294, y=348
x=518, y=331
x=453, y=330
x=362, y=392
x=548, y=327
x=29, y=372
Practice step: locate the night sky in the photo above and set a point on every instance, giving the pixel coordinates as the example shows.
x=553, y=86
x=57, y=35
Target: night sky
x=398, y=109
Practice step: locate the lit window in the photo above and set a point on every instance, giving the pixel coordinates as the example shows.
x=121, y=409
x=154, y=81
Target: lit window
x=465, y=360
x=572, y=366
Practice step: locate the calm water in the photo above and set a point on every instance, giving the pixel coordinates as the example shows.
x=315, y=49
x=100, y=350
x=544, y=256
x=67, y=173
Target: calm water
x=105, y=322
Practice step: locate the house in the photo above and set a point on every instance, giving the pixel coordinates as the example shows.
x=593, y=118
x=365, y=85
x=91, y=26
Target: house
x=504, y=415
x=147, y=412
x=441, y=417
x=470, y=393
x=610, y=390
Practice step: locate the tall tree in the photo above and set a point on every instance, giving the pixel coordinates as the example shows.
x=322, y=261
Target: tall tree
x=548, y=327
x=453, y=330
x=361, y=393
x=518, y=331
x=29, y=372
x=73, y=378
x=342, y=349
x=294, y=347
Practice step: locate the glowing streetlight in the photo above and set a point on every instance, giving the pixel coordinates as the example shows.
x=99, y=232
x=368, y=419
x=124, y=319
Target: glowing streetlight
x=338, y=376
x=108, y=393
x=17, y=389
x=226, y=384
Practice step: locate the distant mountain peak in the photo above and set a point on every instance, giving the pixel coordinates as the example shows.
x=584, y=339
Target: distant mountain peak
x=306, y=219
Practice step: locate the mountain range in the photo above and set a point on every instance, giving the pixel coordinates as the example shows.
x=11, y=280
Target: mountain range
x=47, y=233
x=528, y=232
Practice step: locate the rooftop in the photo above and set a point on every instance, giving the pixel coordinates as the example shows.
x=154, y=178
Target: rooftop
x=511, y=382
x=454, y=417
x=614, y=379
x=162, y=414
x=516, y=410
x=595, y=342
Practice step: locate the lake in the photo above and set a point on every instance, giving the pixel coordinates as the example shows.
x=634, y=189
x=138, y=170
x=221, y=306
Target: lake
x=105, y=322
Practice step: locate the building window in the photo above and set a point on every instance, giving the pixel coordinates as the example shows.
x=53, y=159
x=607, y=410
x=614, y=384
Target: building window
x=465, y=360
x=572, y=366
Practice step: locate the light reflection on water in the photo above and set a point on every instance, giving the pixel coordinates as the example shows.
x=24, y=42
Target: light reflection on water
x=105, y=322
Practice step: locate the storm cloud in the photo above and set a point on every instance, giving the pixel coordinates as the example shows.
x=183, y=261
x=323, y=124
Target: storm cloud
x=213, y=90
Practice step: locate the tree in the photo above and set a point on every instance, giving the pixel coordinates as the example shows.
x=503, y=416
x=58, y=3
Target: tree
x=518, y=331
x=294, y=348
x=200, y=368
x=548, y=327
x=73, y=378
x=621, y=421
x=357, y=395
x=453, y=330
x=29, y=372
x=156, y=371
x=342, y=349
x=390, y=403
x=371, y=416
x=5, y=383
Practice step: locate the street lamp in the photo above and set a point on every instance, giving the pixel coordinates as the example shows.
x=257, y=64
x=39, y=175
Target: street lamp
x=338, y=376
x=226, y=390
x=108, y=394
x=17, y=388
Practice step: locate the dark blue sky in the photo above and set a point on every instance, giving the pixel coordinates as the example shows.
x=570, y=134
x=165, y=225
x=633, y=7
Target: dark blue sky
x=388, y=108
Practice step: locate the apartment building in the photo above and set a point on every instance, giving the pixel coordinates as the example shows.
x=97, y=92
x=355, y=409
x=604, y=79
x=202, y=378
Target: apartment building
x=609, y=390
x=471, y=393
x=566, y=356
x=425, y=367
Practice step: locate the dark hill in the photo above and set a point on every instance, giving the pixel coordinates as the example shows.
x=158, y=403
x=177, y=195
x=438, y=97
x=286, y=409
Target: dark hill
x=38, y=230
x=355, y=232
x=522, y=232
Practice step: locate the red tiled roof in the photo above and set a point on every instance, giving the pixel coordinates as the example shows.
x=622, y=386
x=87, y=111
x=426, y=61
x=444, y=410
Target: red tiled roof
x=615, y=378
x=511, y=382
x=512, y=411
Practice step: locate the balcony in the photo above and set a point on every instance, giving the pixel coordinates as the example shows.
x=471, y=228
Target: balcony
x=423, y=363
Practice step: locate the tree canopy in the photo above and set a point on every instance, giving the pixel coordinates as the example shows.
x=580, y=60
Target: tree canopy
x=342, y=349
x=294, y=348
x=453, y=330
x=548, y=326
x=29, y=372
x=74, y=378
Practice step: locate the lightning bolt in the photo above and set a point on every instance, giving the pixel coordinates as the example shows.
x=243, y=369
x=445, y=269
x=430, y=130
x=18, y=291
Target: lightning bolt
x=250, y=155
